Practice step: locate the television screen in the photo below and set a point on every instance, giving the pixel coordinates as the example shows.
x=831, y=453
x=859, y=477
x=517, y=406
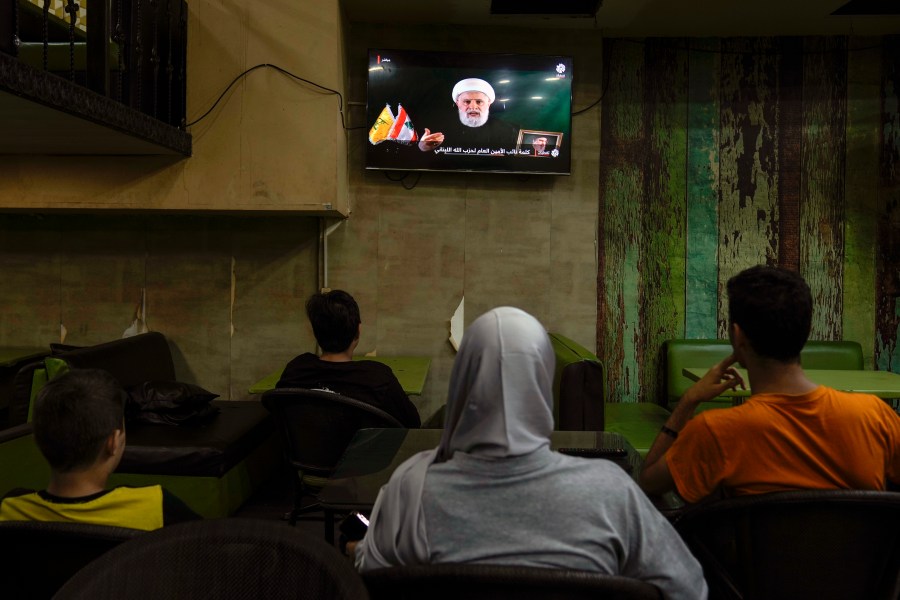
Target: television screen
x=441, y=111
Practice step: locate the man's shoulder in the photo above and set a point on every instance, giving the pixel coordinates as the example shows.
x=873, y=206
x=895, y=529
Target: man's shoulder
x=16, y=492
x=307, y=358
x=850, y=396
x=373, y=366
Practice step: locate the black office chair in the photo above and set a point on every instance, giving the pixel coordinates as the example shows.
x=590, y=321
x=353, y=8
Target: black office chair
x=501, y=582
x=219, y=558
x=821, y=544
x=316, y=427
x=37, y=558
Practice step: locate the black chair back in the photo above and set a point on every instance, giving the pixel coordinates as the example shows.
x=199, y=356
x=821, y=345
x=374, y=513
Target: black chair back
x=222, y=559
x=823, y=544
x=317, y=425
x=37, y=558
x=501, y=582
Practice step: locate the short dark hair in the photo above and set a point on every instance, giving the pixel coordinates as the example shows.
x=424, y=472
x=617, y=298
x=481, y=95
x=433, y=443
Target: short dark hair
x=773, y=307
x=335, y=319
x=73, y=416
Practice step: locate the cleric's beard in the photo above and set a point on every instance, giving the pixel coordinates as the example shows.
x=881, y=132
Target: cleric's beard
x=468, y=121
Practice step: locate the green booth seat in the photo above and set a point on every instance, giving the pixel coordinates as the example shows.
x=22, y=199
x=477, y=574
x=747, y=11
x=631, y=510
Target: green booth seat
x=681, y=354
x=213, y=469
x=23, y=464
x=637, y=422
x=578, y=387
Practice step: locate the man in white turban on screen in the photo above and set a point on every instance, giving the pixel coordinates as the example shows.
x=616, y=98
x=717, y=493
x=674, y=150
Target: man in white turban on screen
x=474, y=128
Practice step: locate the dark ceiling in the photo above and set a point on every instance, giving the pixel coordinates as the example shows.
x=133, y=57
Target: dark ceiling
x=653, y=17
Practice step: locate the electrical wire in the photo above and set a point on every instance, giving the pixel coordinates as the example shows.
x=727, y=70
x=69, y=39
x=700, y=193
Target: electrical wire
x=325, y=90
x=401, y=179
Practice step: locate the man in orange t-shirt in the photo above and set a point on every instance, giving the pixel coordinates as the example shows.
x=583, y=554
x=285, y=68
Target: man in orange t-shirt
x=791, y=433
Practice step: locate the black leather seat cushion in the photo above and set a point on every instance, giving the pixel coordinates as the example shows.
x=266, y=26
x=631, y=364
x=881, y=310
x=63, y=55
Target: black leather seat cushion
x=209, y=450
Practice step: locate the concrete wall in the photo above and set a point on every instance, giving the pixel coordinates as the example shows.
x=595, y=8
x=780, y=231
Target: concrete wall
x=526, y=241
x=228, y=291
x=272, y=144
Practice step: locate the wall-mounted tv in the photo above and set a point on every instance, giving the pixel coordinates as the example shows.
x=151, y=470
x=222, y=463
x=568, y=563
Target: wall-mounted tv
x=454, y=111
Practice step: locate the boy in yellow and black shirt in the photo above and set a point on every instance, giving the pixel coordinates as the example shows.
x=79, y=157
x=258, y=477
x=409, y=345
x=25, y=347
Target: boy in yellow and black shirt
x=79, y=427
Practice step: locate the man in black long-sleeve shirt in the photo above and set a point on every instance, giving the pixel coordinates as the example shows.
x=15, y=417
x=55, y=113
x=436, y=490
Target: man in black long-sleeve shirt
x=335, y=321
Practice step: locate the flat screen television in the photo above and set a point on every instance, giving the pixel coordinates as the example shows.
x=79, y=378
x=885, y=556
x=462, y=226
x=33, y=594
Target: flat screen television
x=491, y=113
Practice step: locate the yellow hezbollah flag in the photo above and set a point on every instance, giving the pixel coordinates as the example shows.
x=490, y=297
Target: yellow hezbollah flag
x=382, y=125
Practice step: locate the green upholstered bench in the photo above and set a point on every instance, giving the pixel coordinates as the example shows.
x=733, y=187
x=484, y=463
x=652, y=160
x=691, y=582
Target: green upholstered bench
x=817, y=354
x=213, y=467
x=637, y=422
x=213, y=476
x=578, y=387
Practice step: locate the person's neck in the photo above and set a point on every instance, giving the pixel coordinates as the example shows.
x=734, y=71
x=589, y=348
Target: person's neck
x=78, y=484
x=345, y=356
x=769, y=376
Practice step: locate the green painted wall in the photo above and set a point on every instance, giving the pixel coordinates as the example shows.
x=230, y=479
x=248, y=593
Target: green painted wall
x=720, y=154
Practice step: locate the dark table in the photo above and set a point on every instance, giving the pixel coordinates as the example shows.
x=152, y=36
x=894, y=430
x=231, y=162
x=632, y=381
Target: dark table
x=374, y=454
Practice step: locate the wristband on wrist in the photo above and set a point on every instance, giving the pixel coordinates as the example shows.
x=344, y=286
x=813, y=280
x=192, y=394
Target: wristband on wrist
x=670, y=432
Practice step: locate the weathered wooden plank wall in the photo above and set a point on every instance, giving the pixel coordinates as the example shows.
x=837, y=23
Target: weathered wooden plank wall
x=748, y=168
x=822, y=171
x=861, y=199
x=790, y=139
x=621, y=190
x=720, y=154
x=701, y=297
x=887, y=271
x=662, y=230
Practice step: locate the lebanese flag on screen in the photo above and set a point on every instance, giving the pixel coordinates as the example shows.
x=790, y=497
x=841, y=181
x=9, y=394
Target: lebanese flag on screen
x=402, y=130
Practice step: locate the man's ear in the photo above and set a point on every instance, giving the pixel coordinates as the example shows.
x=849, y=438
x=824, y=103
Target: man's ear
x=114, y=441
x=739, y=342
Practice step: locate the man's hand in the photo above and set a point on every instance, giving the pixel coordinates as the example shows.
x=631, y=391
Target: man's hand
x=655, y=476
x=430, y=141
x=719, y=379
x=351, y=549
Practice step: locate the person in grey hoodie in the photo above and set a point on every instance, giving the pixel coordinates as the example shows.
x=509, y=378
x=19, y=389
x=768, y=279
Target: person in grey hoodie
x=494, y=492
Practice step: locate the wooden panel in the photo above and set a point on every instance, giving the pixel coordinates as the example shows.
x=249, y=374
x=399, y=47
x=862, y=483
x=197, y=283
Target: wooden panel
x=701, y=256
x=621, y=188
x=861, y=191
x=822, y=192
x=748, y=209
x=662, y=260
x=275, y=271
x=790, y=123
x=29, y=270
x=887, y=270
x=189, y=270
